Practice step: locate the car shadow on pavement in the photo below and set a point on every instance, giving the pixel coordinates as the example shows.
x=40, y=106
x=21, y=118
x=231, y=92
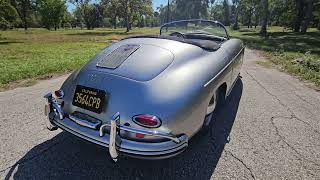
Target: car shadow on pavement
x=67, y=157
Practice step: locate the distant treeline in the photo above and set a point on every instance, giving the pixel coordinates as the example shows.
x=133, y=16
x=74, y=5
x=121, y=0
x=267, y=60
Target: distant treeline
x=298, y=15
x=53, y=14
x=293, y=14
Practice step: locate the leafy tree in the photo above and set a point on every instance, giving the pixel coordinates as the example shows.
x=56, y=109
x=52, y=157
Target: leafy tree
x=78, y=18
x=24, y=8
x=52, y=12
x=8, y=15
x=226, y=9
x=317, y=14
x=296, y=14
x=163, y=12
x=67, y=20
x=112, y=10
x=217, y=12
x=191, y=9
x=155, y=19
x=235, y=7
x=84, y=12
x=249, y=9
x=92, y=16
x=282, y=12
x=133, y=7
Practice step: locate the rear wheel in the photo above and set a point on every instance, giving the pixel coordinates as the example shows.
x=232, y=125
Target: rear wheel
x=217, y=101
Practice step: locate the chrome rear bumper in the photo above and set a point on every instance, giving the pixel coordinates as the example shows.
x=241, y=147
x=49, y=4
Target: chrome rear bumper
x=113, y=141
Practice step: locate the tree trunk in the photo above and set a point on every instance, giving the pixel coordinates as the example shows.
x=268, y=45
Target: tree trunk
x=25, y=25
x=115, y=22
x=265, y=14
x=250, y=17
x=168, y=11
x=25, y=18
x=127, y=23
x=236, y=24
x=299, y=16
x=226, y=13
x=127, y=16
x=308, y=16
x=130, y=25
x=256, y=21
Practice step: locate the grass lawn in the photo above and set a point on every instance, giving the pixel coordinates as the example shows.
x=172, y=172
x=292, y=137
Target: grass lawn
x=296, y=53
x=39, y=53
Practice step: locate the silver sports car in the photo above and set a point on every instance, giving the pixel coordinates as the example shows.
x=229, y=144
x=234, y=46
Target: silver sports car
x=146, y=96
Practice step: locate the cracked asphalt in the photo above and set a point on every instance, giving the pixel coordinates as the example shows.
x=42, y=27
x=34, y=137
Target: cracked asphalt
x=269, y=129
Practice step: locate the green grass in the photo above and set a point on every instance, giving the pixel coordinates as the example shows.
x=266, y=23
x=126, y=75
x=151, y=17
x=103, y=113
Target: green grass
x=39, y=53
x=296, y=53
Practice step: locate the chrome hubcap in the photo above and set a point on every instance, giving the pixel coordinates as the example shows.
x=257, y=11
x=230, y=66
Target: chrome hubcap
x=212, y=105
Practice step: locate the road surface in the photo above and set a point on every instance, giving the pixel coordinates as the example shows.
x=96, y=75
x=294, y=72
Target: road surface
x=269, y=129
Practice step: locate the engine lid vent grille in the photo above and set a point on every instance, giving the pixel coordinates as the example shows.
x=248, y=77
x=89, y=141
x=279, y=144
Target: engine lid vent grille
x=117, y=57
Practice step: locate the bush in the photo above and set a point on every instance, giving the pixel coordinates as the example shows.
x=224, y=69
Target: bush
x=67, y=25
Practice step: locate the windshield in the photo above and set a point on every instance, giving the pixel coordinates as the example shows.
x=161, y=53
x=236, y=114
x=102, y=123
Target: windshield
x=195, y=27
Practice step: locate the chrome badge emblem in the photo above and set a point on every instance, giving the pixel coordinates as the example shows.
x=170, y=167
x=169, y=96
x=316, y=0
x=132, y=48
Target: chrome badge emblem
x=93, y=78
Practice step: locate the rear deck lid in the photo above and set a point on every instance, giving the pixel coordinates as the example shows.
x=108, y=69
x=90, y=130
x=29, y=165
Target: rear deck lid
x=141, y=62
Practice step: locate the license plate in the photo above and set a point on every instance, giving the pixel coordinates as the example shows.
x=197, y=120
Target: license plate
x=89, y=98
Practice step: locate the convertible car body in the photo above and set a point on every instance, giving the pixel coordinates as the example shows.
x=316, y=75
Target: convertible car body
x=146, y=96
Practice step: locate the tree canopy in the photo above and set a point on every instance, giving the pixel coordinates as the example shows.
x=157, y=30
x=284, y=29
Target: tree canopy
x=298, y=15
x=8, y=15
x=52, y=12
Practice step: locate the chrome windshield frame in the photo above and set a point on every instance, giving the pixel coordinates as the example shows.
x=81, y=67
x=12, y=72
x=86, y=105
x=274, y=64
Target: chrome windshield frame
x=200, y=20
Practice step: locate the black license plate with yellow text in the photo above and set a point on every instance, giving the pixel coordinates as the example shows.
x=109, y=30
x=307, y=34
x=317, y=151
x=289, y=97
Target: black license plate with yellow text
x=89, y=98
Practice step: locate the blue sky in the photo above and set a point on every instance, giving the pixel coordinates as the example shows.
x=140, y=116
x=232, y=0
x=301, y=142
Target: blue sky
x=155, y=3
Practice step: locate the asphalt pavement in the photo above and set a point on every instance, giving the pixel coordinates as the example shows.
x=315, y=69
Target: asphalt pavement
x=269, y=129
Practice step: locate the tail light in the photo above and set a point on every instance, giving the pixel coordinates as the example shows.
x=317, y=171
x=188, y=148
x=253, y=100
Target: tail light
x=59, y=94
x=147, y=120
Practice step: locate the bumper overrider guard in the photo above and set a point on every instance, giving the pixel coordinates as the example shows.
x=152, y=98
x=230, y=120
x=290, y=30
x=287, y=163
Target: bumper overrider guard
x=115, y=143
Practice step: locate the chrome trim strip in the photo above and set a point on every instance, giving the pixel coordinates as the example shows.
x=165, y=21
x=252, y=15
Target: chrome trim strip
x=85, y=123
x=131, y=152
x=141, y=131
x=205, y=85
x=66, y=128
x=101, y=130
x=151, y=133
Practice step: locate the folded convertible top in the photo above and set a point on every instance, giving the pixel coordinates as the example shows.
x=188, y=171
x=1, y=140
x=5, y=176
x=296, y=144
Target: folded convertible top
x=204, y=44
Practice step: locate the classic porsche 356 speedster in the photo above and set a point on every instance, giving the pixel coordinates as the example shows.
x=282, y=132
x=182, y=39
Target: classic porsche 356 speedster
x=146, y=96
